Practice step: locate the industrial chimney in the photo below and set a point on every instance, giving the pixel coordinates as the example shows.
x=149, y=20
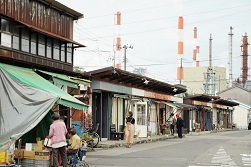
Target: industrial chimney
x=244, y=48
x=180, y=70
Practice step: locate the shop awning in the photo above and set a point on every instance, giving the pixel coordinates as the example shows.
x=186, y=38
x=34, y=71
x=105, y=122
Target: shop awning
x=21, y=108
x=61, y=79
x=180, y=105
x=32, y=79
x=84, y=82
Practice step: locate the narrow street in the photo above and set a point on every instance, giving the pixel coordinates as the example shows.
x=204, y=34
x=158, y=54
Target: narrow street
x=228, y=149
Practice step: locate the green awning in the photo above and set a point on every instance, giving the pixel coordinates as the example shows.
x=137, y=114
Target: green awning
x=61, y=79
x=28, y=77
x=84, y=82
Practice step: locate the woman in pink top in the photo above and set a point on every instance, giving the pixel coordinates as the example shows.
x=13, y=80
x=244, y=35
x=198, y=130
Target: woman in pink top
x=57, y=135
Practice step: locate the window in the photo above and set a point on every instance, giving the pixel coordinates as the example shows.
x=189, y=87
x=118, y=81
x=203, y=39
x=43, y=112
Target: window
x=69, y=53
x=49, y=48
x=56, y=49
x=141, y=114
x=16, y=38
x=5, y=27
x=25, y=44
x=63, y=52
x=34, y=43
x=41, y=45
x=5, y=35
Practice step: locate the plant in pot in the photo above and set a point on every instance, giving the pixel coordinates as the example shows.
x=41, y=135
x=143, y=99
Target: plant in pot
x=137, y=132
x=149, y=134
x=167, y=131
x=197, y=129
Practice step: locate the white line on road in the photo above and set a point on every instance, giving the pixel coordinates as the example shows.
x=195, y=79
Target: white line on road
x=221, y=158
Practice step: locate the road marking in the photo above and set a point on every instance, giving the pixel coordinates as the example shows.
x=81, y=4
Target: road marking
x=221, y=159
x=246, y=159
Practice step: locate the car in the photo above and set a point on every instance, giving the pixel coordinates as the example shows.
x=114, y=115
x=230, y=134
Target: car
x=249, y=126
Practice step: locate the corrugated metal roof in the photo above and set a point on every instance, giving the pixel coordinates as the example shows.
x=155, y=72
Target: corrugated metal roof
x=121, y=77
x=64, y=8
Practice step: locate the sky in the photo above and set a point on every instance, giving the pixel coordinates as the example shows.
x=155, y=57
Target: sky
x=151, y=28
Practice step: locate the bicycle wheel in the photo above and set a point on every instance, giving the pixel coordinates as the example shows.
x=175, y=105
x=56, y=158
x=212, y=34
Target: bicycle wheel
x=94, y=140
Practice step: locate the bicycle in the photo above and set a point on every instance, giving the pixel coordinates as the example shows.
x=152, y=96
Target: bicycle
x=91, y=137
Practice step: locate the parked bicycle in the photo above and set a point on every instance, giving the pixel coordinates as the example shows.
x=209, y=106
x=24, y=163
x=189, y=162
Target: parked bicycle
x=91, y=136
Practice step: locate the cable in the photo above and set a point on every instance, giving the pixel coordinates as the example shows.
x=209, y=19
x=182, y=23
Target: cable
x=191, y=14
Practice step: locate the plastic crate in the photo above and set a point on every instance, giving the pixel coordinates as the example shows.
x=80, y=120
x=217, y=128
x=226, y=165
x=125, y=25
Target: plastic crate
x=42, y=163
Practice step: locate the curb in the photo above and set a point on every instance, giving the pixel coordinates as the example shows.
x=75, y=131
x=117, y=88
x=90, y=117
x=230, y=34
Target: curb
x=139, y=141
x=122, y=143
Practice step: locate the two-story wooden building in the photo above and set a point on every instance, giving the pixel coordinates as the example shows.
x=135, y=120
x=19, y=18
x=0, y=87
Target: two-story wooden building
x=36, y=42
x=37, y=33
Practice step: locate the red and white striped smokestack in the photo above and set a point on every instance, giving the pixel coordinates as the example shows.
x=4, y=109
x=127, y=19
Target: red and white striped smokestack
x=117, y=40
x=197, y=56
x=180, y=71
x=196, y=51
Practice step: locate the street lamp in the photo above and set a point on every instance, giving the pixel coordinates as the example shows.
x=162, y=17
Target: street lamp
x=126, y=47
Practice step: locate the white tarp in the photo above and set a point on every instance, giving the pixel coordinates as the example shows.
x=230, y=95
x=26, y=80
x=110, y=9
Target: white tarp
x=21, y=108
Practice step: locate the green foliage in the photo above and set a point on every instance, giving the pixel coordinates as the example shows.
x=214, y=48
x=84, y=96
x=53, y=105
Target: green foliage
x=166, y=131
x=77, y=69
x=86, y=137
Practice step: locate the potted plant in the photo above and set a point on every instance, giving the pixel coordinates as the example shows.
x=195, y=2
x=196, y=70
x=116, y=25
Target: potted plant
x=149, y=134
x=197, y=129
x=137, y=132
x=166, y=131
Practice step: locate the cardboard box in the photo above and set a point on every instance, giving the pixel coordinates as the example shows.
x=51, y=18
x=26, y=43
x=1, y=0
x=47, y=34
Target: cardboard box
x=40, y=145
x=28, y=146
x=29, y=154
x=42, y=155
x=19, y=154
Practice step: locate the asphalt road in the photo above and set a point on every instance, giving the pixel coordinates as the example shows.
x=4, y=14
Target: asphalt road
x=222, y=149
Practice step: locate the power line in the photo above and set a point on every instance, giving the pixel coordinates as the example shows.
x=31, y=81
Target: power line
x=164, y=18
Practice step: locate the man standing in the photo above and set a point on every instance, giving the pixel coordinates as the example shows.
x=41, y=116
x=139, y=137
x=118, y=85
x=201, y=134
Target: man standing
x=179, y=125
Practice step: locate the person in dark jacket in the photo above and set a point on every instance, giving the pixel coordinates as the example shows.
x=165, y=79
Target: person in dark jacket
x=179, y=125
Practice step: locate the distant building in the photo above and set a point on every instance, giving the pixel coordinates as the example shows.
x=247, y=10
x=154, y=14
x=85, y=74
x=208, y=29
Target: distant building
x=241, y=115
x=248, y=85
x=194, y=79
x=237, y=93
x=140, y=71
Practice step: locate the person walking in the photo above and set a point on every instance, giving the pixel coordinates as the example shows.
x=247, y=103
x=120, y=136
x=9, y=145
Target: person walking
x=130, y=121
x=179, y=125
x=57, y=134
x=172, y=121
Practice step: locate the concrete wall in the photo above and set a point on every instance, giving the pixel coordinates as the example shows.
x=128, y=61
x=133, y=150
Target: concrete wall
x=194, y=79
x=240, y=117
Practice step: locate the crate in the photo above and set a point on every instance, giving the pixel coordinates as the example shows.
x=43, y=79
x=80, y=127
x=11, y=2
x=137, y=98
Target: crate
x=42, y=163
x=28, y=162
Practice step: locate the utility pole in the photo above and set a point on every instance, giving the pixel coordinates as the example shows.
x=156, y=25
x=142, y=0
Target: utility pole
x=125, y=48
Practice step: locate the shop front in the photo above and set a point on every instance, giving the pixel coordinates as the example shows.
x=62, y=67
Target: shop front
x=224, y=110
x=28, y=102
x=116, y=92
x=202, y=116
